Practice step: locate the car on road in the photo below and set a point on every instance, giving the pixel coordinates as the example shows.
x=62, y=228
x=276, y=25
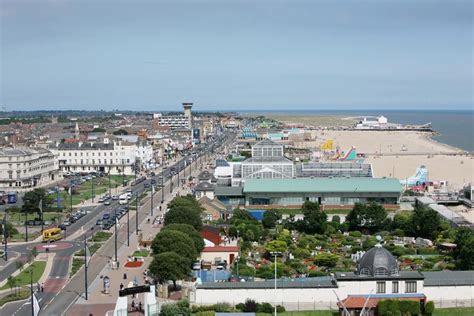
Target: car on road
x=101, y=200
x=106, y=202
x=99, y=222
x=66, y=223
x=106, y=216
x=115, y=197
x=146, y=185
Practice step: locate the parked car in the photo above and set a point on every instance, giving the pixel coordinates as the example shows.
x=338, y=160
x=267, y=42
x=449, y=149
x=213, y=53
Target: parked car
x=99, y=222
x=115, y=197
x=106, y=216
x=106, y=202
x=66, y=223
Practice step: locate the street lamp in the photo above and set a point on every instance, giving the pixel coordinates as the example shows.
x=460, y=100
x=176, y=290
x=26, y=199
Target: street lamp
x=128, y=224
x=275, y=254
x=152, y=194
x=32, y=293
x=136, y=212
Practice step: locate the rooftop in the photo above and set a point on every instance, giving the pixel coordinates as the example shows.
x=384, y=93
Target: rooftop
x=319, y=282
x=403, y=275
x=24, y=151
x=323, y=185
x=449, y=278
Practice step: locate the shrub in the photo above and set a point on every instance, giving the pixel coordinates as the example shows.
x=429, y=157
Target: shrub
x=222, y=307
x=240, y=307
x=355, y=233
x=429, y=308
x=280, y=309
x=313, y=274
x=250, y=306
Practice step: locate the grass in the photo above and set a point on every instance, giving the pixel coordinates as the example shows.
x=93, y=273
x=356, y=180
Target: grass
x=24, y=277
x=141, y=253
x=21, y=236
x=92, y=249
x=77, y=263
x=21, y=295
x=101, y=236
x=454, y=311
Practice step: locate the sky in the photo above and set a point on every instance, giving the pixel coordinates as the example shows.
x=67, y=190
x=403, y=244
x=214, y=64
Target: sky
x=236, y=55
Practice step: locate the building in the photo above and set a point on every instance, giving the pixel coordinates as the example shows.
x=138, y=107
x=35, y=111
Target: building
x=25, y=168
x=116, y=157
x=267, y=162
x=176, y=121
x=377, y=275
x=333, y=169
x=326, y=191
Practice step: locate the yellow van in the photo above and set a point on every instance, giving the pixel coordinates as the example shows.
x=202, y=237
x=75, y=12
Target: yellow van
x=52, y=234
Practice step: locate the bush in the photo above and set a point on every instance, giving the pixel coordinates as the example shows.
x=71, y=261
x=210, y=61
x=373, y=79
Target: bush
x=355, y=233
x=429, y=308
x=280, y=309
x=265, y=308
x=313, y=274
x=250, y=306
x=222, y=307
x=240, y=307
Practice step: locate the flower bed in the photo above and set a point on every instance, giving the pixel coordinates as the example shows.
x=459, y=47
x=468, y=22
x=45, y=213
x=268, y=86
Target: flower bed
x=133, y=264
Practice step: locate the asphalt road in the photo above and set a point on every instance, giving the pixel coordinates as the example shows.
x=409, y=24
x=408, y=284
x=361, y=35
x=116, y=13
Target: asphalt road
x=56, y=303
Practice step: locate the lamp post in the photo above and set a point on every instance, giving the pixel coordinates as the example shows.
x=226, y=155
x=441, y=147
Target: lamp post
x=5, y=236
x=136, y=213
x=92, y=189
x=32, y=293
x=275, y=254
x=151, y=200
x=171, y=182
x=110, y=185
x=115, y=219
x=128, y=224
x=85, y=267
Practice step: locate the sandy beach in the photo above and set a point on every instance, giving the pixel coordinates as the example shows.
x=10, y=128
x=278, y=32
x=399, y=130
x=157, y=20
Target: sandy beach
x=443, y=162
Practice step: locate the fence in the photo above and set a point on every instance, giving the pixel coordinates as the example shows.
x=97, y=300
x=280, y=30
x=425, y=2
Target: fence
x=332, y=305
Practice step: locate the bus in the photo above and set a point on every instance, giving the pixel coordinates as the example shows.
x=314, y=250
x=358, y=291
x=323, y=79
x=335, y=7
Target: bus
x=123, y=199
x=52, y=234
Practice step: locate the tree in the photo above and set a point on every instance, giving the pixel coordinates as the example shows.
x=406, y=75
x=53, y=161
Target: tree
x=403, y=222
x=425, y=222
x=34, y=252
x=11, y=281
x=98, y=130
x=241, y=215
x=19, y=264
x=314, y=221
x=270, y=219
x=184, y=215
x=169, y=266
x=466, y=255
x=121, y=132
x=463, y=235
x=10, y=231
x=326, y=259
x=369, y=217
x=31, y=200
x=276, y=246
x=175, y=241
x=191, y=232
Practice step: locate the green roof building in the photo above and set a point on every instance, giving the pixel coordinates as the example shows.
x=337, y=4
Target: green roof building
x=326, y=191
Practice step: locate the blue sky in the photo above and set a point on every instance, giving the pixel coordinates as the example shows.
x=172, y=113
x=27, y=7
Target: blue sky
x=248, y=55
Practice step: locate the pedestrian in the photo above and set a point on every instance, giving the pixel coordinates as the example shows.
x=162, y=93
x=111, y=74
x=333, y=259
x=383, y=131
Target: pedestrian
x=42, y=287
x=140, y=306
x=121, y=286
x=133, y=305
x=124, y=276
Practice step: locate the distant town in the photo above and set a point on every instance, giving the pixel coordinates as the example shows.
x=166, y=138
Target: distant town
x=208, y=213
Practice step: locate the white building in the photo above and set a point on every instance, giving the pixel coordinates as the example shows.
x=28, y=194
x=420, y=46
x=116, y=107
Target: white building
x=29, y=167
x=115, y=156
x=377, y=274
x=267, y=162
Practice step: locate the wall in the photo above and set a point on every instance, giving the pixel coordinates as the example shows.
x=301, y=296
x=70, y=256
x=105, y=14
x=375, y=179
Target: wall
x=450, y=296
x=211, y=256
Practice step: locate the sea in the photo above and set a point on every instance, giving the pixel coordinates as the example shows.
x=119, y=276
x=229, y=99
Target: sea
x=455, y=128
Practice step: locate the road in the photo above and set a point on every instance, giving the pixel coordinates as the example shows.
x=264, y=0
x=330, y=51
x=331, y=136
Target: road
x=60, y=295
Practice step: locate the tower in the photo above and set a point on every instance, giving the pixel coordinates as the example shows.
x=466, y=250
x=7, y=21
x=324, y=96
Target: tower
x=76, y=131
x=187, y=113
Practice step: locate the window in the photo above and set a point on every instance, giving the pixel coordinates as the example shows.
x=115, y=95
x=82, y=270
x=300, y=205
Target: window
x=410, y=287
x=395, y=287
x=380, y=287
x=380, y=272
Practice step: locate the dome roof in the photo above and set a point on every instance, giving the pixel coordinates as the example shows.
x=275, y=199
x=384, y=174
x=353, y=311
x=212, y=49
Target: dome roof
x=204, y=186
x=378, y=261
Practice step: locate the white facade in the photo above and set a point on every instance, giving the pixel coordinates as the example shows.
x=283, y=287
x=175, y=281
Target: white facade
x=116, y=157
x=23, y=168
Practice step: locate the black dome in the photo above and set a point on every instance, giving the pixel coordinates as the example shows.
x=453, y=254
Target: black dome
x=378, y=261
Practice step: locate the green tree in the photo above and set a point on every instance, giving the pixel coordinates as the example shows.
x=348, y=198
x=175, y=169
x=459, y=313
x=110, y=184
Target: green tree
x=10, y=231
x=270, y=219
x=184, y=214
x=466, y=255
x=402, y=222
x=31, y=200
x=120, y=132
x=241, y=215
x=175, y=241
x=34, y=252
x=314, y=221
x=11, y=281
x=191, y=232
x=463, y=235
x=276, y=246
x=425, y=222
x=169, y=266
x=326, y=259
x=370, y=217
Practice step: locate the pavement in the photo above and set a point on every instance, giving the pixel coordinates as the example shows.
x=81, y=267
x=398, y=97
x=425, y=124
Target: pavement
x=60, y=291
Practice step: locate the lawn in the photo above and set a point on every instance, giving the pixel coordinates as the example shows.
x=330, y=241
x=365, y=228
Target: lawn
x=101, y=236
x=21, y=236
x=454, y=311
x=24, y=277
x=141, y=253
x=21, y=295
x=77, y=263
x=92, y=248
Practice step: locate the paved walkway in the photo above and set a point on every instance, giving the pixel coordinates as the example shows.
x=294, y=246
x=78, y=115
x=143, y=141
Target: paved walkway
x=98, y=301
